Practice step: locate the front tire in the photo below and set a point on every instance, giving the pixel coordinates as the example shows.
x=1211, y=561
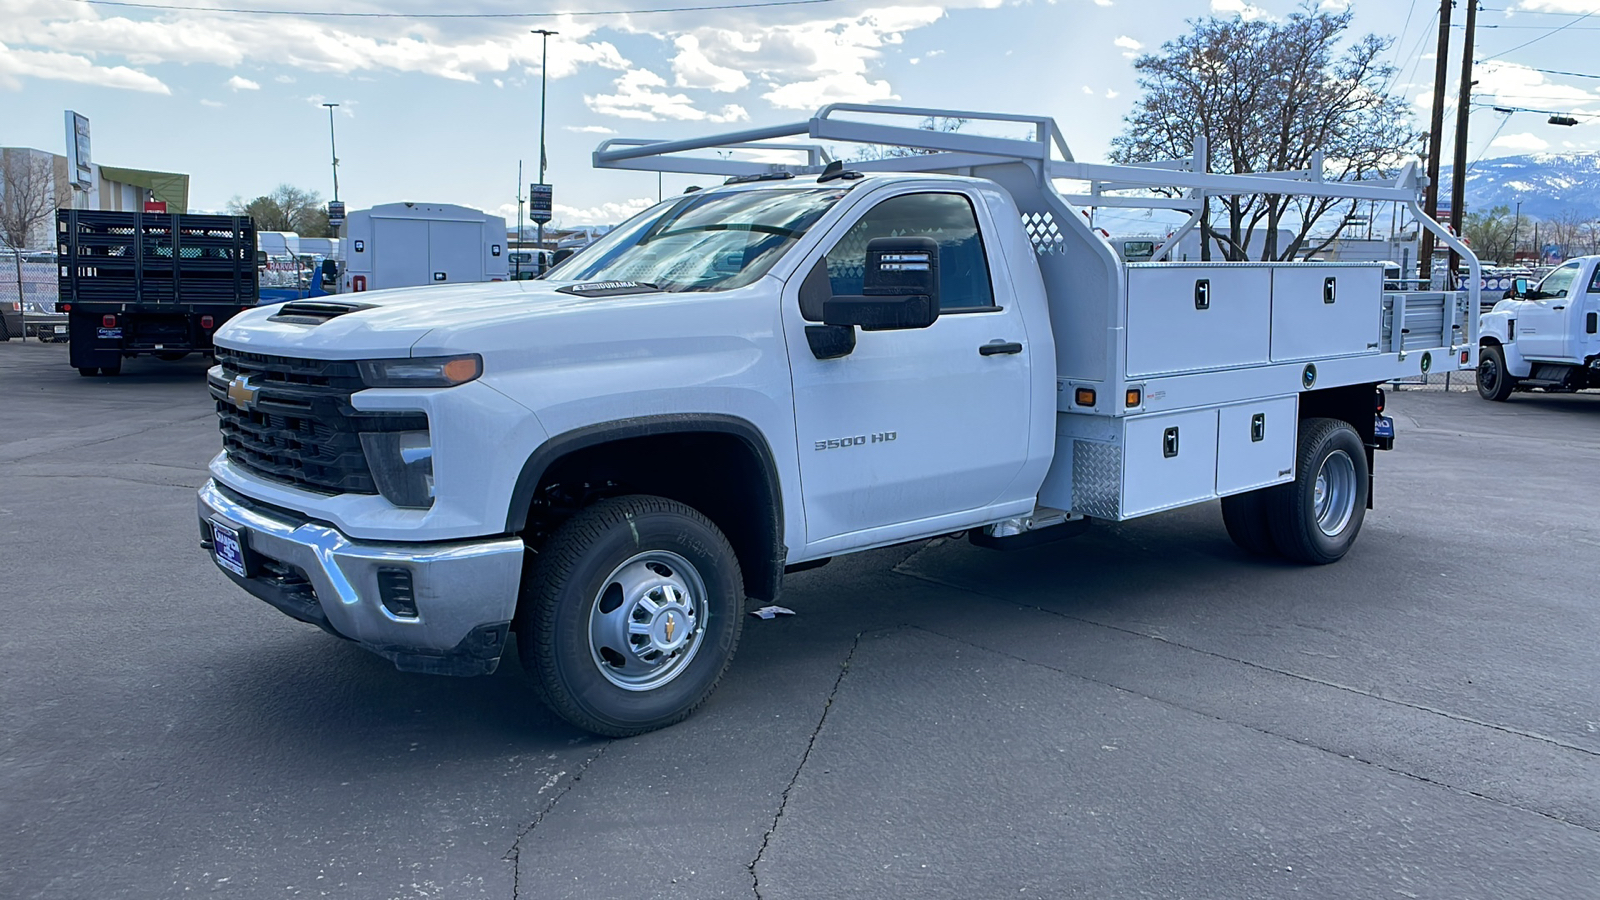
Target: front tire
x=1494, y=382
x=630, y=615
x=1315, y=518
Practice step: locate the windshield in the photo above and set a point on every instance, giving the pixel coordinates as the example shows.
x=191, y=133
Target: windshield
x=703, y=242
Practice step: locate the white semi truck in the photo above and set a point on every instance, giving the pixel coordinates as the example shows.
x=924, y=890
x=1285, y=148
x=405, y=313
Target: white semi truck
x=803, y=362
x=1545, y=338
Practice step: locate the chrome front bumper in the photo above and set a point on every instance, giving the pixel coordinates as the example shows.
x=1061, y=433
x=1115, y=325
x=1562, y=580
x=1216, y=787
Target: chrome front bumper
x=465, y=592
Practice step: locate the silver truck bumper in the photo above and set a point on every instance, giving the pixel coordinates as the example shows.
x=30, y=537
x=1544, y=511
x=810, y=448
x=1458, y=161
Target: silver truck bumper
x=453, y=619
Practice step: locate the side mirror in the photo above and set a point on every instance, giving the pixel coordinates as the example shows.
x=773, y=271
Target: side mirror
x=561, y=256
x=330, y=270
x=899, y=289
x=1519, y=287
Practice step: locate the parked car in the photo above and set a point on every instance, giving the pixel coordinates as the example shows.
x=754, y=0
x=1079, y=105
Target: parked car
x=10, y=320
x=45, y=323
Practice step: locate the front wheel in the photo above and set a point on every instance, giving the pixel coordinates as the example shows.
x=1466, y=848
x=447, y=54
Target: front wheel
x=630, y=615
x=1494, y=382
x=1315, y=518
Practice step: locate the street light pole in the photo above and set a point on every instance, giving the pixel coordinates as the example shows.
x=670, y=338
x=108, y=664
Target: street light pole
x=544, y=74
x=333, y=150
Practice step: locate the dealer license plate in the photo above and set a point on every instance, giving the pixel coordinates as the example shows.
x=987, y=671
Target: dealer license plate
x=1383, y=427
x=229, y=550
x=61, y=329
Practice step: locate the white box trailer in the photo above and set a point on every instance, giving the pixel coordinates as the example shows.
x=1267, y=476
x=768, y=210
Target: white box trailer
x=412, y=244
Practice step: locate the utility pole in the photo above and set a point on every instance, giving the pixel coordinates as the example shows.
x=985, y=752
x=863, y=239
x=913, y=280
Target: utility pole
x=1458, y=167
x=1516, y=228
x=518, y=257
x=544, y=76
x=1431, y=201
x=333, y=150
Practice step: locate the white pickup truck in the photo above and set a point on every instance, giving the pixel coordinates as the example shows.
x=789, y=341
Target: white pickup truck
x=806, y=361
x=1544, y=338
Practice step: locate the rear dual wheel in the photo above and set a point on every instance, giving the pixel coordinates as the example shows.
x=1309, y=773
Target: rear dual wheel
x=1315, y=518
x=630, y=614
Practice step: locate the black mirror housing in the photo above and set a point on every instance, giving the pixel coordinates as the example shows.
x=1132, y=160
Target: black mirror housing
x=899, y=289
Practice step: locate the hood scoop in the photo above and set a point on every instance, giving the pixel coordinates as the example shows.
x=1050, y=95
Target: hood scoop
x=608, y=288
x=314, y=312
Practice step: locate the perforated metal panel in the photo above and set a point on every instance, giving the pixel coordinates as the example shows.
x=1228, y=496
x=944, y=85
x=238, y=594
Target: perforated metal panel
x=1043, y=232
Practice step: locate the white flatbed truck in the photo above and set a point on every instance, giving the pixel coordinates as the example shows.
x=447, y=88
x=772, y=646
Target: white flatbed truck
x=803, y=362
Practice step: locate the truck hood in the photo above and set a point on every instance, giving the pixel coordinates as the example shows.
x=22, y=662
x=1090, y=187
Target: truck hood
x=392, y=322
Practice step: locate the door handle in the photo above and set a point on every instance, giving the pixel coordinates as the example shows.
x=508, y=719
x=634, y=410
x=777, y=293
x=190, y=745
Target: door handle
x=999, y=347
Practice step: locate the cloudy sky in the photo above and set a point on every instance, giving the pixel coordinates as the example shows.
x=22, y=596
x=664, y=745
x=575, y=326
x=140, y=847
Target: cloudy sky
x=442, y=109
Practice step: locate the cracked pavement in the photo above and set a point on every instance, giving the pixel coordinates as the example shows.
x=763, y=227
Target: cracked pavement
x=1140, y=711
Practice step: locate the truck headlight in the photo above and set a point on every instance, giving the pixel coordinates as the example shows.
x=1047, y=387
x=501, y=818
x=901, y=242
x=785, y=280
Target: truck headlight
x=402, y=466
x=421, y=371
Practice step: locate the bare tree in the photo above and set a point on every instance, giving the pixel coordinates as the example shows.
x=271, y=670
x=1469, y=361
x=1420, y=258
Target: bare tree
x=1269, y=95
x=27, y=200
x=946, y=124
x=286, y=208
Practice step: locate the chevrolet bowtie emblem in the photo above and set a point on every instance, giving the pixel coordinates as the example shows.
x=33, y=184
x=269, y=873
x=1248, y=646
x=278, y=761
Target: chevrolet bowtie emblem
x=672, y=626
x=242, y=394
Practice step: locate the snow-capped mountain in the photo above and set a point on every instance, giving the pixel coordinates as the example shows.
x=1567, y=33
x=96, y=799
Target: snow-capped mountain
x=1547, y=184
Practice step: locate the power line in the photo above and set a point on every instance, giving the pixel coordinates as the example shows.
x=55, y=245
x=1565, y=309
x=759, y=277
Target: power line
x=166, y=7
x=1541, y=37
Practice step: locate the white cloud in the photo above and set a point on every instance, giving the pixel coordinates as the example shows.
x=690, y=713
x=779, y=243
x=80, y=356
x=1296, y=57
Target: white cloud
x=1522, y=143
x=212, y=103
x=1111, y=94
x=1088, y=90
x=591, y=129
x=16, y=65
x=1102, y=2
x=243, y=84
x=803, y=65
x=1239, y=7
x=604, y=214
x=637, y=97
x=1130, y=47
x=693, y=69
x=284, y=79
x=399, y=45
x=1559, y=6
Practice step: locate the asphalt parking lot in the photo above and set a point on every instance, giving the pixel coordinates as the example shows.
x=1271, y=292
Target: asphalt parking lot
x=1139, y=712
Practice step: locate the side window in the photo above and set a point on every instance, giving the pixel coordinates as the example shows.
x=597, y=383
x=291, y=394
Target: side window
x=1594, y=281
x=1559, y=282
x=947, y=218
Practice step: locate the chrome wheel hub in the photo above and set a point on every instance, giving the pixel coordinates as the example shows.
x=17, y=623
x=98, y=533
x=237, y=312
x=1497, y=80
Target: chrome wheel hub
x=1334, y=496
x=648, y=620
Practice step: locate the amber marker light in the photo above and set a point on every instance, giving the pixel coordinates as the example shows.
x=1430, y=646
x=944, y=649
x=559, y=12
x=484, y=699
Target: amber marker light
x=1085, y=396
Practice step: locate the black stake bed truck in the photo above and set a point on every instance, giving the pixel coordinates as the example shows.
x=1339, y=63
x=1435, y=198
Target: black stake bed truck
x=156, y=284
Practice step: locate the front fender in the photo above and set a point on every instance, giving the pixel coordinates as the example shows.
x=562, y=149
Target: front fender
x=1496, y=327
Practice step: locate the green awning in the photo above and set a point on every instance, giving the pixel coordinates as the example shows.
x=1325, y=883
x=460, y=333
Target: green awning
x=172, y=188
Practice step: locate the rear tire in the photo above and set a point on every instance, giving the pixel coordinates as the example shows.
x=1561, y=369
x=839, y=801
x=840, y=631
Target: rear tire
x=88, y=371
x=1315, y=518
x=630, y=614
x=111, y=370
x=1245, y=516
x=1494, y=382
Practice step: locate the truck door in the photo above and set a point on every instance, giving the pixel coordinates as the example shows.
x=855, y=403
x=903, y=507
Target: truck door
x=397, y=253
x=1542, y=323
x=455, y=252
x=1587, y=330
x=918, y=423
